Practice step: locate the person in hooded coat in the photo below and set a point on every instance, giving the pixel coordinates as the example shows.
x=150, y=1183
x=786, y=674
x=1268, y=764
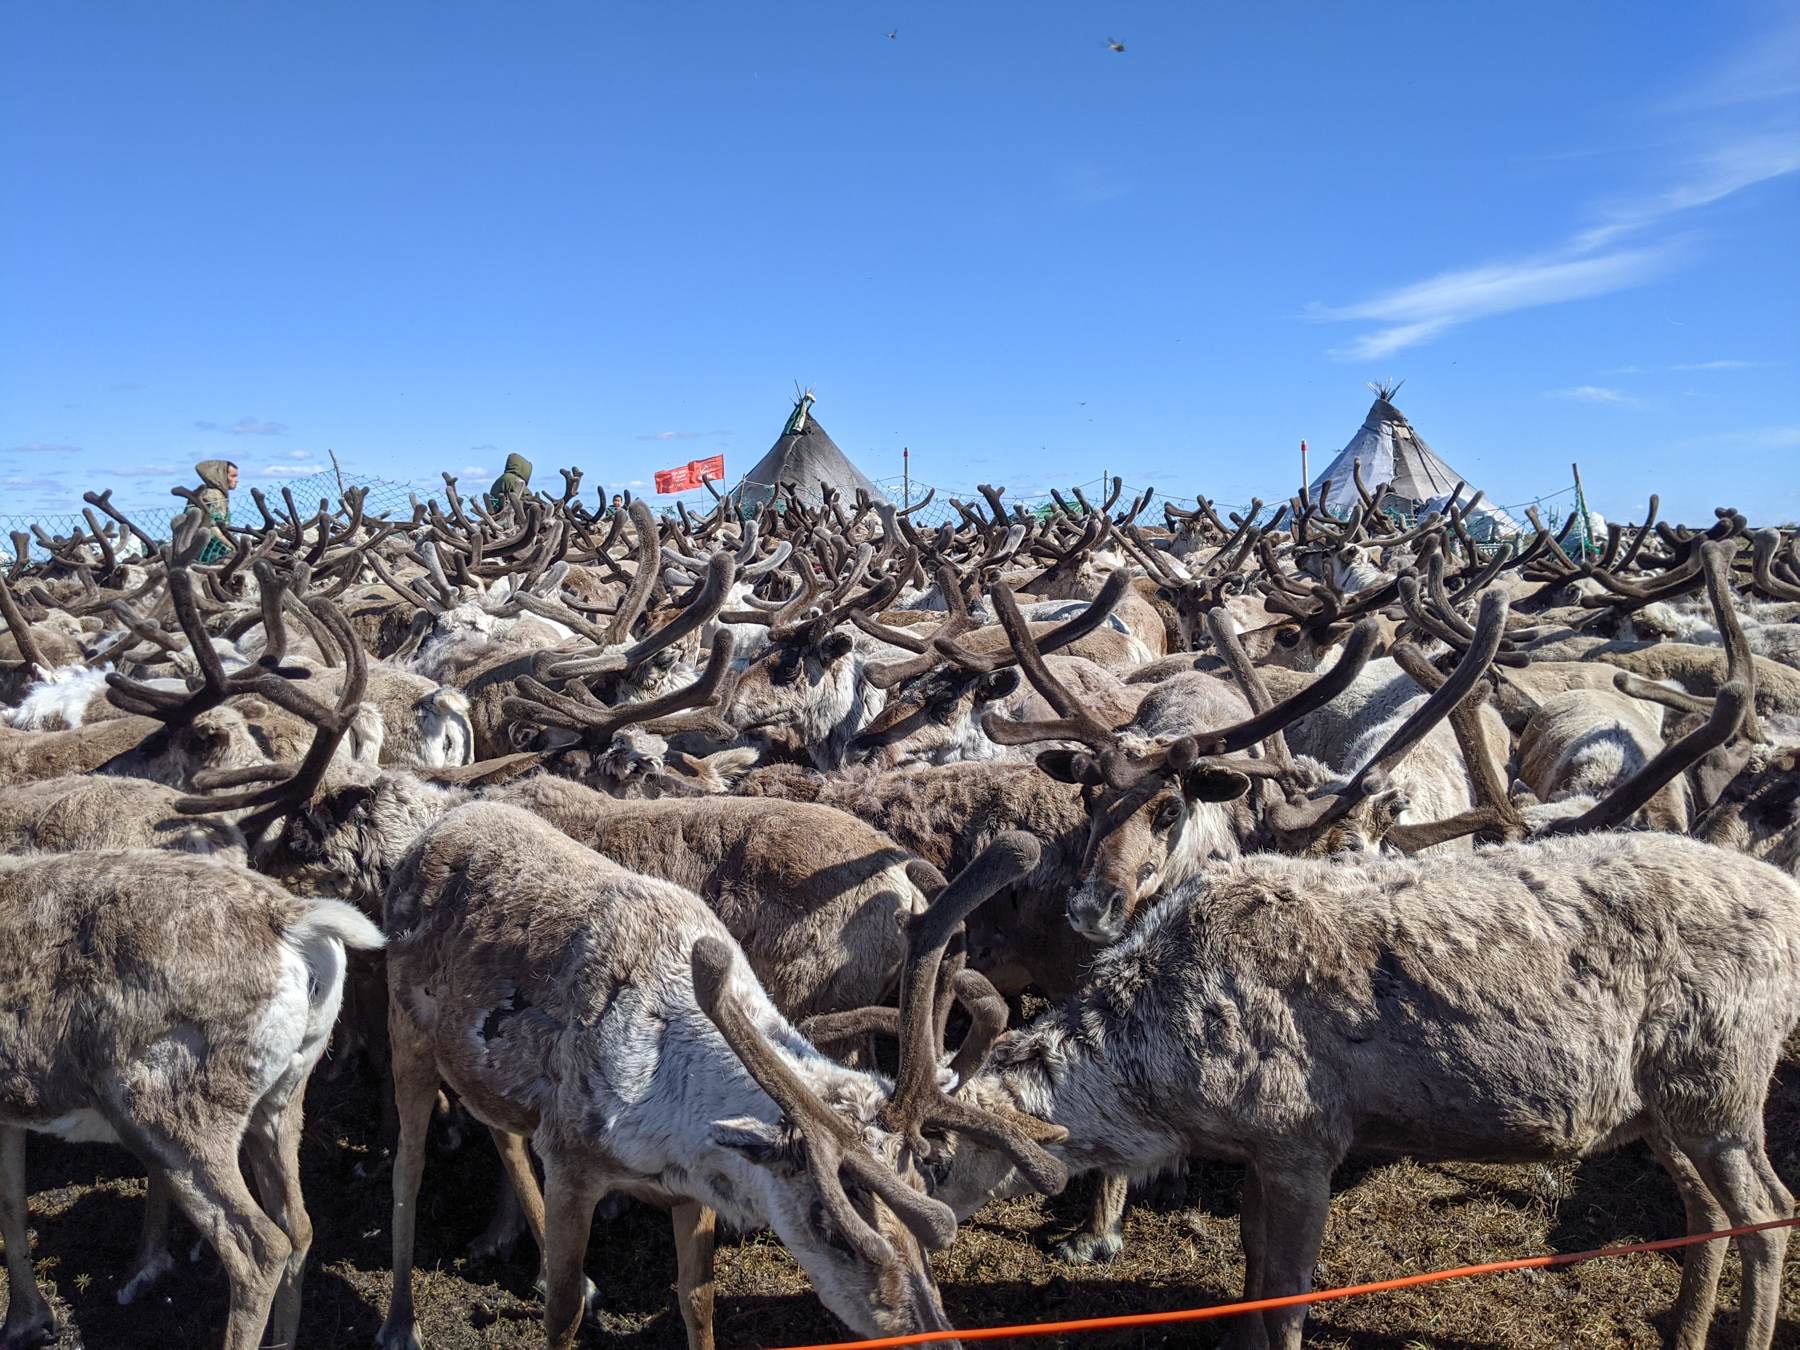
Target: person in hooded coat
x=515, y=480
x=217, y=479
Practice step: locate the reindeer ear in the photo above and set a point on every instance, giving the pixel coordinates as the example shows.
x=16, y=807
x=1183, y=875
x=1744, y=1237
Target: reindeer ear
x=758, y=1141
x=1208, y=783
x=997, y=684
x=1070, y=766
x=346, y=802
x=833, y=647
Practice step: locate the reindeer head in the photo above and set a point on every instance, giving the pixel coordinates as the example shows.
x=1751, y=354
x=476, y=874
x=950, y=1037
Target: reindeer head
x=1152, y=833
x=966, y=1150
x=934, y=712
x=839, y=1186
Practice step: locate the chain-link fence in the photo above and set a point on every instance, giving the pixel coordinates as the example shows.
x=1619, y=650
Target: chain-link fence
x=395, y=499
x=386, y=497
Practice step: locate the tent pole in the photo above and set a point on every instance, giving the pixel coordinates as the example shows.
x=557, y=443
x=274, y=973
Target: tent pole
x=906, y=475
x=1587, y=524
x=1305, y=475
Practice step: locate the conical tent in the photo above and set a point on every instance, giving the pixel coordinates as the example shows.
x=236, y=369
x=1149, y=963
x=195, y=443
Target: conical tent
x=1391, y=452
x=805, y=456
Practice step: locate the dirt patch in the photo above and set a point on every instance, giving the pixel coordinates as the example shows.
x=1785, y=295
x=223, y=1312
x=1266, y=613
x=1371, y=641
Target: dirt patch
x=1181, y=1251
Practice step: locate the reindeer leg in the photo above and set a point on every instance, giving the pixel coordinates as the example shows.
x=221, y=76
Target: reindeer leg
x=273, y=1146
x=570, y=1194
x=1248, y=1331
x=522, y=1204
x=1104, y=1235
x=415, y=1092
x=29, y=1320
x=695, y=1226
x=153, y=1259
x=201, y=1163
x=1702, y=1262
x=508, y=1221
x=1737, y=1172
x=1294, y=1204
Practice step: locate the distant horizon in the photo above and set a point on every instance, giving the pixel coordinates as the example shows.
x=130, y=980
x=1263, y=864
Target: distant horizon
x=546, y=479
x=592, y=234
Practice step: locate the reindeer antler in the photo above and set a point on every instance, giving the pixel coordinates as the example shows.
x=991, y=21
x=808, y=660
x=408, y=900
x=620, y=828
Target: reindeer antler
x=834, y=1147
x=918, y=1101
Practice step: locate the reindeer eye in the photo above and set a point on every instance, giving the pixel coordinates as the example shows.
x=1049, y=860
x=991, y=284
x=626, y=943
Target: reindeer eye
x=1167, y=817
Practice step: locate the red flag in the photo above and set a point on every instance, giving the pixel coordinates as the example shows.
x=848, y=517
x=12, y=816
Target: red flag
x=689, y=475
x=674, y=480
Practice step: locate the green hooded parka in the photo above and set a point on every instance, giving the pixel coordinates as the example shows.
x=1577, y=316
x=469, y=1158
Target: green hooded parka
x=515, y=480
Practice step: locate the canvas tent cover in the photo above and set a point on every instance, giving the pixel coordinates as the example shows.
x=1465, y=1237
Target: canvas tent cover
x=1391, y=452
x=805, y=456
x=1486, y=524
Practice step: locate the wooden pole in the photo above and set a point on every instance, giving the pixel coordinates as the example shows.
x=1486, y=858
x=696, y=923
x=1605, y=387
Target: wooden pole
x=1305, y=473
x=1587, y=523
x=906, y=476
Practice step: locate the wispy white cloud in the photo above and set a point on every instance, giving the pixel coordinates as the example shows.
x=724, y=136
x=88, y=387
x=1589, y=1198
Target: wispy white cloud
x=206, y=426
x=43, y=448
x=473, y=471
x=249, y=426
x=1626, y=370
x=1419, y=312
x=478, y=449
x=1732, y=132
x=1773, y=438
x=671, y=436
x=1591, y=393
x=286, y=471
x=1719, y=365
x=31, y=484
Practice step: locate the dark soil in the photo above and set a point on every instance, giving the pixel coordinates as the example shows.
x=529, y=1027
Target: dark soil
x=1181, y=1251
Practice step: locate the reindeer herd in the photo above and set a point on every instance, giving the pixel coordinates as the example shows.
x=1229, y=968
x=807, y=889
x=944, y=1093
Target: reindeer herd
x=651, y=839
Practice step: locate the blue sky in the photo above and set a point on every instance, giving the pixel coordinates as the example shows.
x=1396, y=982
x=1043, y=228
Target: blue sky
x=614, y=236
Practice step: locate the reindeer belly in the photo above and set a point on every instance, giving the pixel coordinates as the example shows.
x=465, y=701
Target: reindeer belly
x=1501, y=1090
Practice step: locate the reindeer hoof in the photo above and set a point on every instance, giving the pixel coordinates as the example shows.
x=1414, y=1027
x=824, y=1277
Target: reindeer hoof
x=402, y=1337
x=1085, y=1249
x=492, y=1245
x=32, y=1329
x=145, y=1276
x=590, y=1294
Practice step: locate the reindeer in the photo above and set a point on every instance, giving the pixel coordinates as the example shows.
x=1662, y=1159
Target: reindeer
x=184, y=1022
x=1286, y=1013
x=551, y=988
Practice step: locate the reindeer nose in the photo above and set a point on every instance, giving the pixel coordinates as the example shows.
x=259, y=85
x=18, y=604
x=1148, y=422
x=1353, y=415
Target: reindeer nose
x=1100, y=915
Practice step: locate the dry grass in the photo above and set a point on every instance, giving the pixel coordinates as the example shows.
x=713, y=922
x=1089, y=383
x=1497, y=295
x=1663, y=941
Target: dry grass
x=1182, y=1251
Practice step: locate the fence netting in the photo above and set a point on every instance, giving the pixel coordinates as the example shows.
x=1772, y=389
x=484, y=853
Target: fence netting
x=395, y=499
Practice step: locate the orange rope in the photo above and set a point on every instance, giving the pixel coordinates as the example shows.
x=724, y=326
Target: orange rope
x=1292, y=1300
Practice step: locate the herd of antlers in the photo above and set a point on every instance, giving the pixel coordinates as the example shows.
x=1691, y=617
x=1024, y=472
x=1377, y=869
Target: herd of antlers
x=484, y=722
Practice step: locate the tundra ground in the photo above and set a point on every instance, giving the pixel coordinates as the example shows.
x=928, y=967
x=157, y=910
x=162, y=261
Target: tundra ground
x=1181, y=1252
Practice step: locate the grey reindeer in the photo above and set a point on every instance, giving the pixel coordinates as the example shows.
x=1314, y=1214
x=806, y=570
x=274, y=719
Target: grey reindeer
x=1543, y=1000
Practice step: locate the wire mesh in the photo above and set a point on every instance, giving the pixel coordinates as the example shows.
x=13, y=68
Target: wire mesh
x=395, y=498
